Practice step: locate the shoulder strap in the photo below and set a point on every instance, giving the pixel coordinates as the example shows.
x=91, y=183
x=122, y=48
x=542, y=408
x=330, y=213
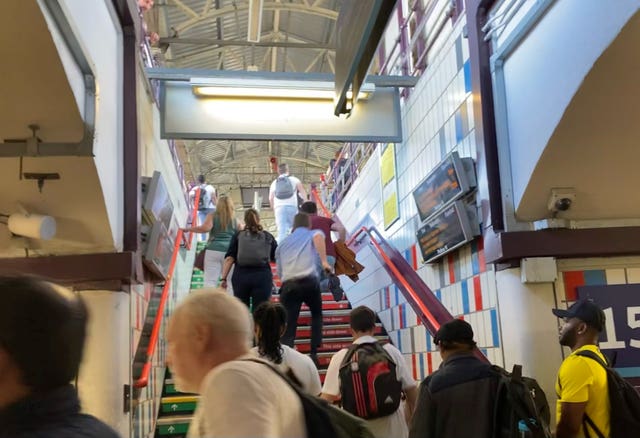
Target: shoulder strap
x=593, y=356
x=295, y=388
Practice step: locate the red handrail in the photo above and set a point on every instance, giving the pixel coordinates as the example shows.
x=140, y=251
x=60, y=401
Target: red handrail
x=143, y=380
x=398, y=274
x=319, y=202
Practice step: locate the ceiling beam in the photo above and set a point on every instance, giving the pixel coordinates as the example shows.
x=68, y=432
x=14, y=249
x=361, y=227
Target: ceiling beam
x=222, y=43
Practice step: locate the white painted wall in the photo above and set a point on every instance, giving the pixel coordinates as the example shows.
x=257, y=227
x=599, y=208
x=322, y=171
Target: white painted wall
x=106, y=366
x=545, y=71
x=529, y=329
x=95, y=25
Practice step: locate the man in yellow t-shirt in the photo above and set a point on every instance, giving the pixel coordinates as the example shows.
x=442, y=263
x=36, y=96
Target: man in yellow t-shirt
x=583, y=400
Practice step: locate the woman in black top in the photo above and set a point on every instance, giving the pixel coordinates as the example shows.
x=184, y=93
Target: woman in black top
x=251, y=250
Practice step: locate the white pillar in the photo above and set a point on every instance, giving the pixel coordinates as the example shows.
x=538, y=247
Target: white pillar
x=529, y=330
x=106, y=365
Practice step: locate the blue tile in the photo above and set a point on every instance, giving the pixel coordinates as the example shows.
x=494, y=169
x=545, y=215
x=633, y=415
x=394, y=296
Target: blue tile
x=422, y=370
x=494, y=328
x=467, y=77
x=595, y=277
x=459, y=53
x=443, y=143
x=429, y=342
x=459, y=130
x=465, y=297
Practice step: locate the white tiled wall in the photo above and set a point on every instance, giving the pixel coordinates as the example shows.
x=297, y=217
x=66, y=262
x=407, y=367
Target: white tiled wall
x=437, y=119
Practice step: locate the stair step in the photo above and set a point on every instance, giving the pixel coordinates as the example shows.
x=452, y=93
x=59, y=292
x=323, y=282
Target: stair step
x=336, y=330
x=173, y=426
x=329, y=317
x=179, y=404
x=326, y=296
x=332, y=345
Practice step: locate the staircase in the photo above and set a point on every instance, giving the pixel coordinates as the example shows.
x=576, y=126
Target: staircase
x=177, y=408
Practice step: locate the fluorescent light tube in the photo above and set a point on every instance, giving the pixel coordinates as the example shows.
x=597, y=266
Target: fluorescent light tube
x=255, y=20
x=270, y=89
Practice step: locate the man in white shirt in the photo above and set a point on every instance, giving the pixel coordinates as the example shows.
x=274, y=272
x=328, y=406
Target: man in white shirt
x=363, y=326
x=208, y=337
x=206, y=202
x=283, y=198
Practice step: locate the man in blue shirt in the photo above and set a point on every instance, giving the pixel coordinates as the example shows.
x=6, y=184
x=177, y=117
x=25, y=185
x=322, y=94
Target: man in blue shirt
x=297, y=260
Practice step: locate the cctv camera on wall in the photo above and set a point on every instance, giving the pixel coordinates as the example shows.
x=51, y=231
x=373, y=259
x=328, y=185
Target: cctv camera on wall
x=561, y=199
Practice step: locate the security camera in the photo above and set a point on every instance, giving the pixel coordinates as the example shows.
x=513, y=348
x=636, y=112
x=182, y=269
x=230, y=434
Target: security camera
x=561, y=199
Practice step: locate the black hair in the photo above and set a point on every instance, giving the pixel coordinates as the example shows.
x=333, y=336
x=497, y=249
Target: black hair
x=271, y=318
x=362, y=319
x=252, y=220
x=456, y=345
x=301, y=220
x=201, y=179
x=309, y=207
x=42, y=330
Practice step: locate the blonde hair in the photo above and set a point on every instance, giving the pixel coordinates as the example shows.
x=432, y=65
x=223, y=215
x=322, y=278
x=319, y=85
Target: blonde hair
x=224, y=211
x=228, y=317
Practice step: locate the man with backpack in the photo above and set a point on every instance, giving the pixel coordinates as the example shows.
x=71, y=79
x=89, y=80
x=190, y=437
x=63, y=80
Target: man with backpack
x=206, y=201
x=353, y=371
x=583, y=400
x=283, y=198
x=458, y=399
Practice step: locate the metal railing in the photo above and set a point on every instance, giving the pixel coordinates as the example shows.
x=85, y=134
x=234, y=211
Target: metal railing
x=143, y=380
x=429, y=309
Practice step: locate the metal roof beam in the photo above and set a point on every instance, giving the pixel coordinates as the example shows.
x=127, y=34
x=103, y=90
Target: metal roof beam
x=222, y=43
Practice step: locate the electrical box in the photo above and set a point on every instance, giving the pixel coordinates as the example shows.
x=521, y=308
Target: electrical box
x=538, y=270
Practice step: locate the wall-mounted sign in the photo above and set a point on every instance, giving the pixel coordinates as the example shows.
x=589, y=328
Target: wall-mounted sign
x=621, y=338
x=450, y=180
x=445, y=232
x=390, y=207
x=157, y=204
x=159, y=249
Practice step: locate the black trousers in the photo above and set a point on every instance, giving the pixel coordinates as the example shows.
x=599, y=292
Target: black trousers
x=251, y=283
x=292, y=294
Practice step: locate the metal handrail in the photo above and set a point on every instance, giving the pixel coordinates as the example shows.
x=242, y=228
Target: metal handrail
x=431, y=319
x=143, y=380
x=434, y=322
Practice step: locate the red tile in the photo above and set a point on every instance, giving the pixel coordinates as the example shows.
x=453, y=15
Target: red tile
x=452, y=272
x=481, y=260
x=572, y=279
x=477, y=292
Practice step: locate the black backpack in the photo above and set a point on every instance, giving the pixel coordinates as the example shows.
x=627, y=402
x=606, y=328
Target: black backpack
x=284, y=187
x=519, y=399
x=254, y=249
x=323, y=420
x=624, y=403
x=369, y=384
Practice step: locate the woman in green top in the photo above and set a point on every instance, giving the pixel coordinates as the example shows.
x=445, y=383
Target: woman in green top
x=221, y=226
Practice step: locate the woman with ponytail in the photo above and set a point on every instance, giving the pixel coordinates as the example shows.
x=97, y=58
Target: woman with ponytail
x=270, y=322
x=250, y=251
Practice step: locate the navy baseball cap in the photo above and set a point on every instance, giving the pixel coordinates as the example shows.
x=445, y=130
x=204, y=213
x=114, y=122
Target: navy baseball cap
x=585, y=310
x=456, y=330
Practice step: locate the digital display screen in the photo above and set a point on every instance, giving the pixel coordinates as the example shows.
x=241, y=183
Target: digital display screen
x=443, y=233
x=439, y=188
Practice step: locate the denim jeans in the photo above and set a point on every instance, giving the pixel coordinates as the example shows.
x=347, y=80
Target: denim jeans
x=292, y=294
x=284, y=220
x=252, y=286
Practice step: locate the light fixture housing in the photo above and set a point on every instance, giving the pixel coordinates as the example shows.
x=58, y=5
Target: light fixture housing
x=255, y=20
x=270, y=89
